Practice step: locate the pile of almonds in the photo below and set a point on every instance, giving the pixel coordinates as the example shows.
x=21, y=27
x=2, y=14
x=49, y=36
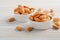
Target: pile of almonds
x=23, y=10
x=42, y=16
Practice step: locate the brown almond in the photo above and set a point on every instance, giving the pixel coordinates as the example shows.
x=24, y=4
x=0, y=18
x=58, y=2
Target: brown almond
x=55, y=27
x=29, y=29
x=19, y=28
x=56, y=19
x=11, y=19
x=37, y=19
x=31, y=18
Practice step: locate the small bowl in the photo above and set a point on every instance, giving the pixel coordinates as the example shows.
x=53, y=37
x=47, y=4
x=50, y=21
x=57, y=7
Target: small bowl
x=41, y=25
x=21, y=18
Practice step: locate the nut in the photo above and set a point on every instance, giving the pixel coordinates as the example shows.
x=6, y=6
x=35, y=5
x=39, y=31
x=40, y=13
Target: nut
x=19, y=28
x=44, y=20
x=57, y=23
x=37, y=19
x=43, y=16
x=31, y=18
x=55, y=27
x=35, y=14
x=32, y=10
x=51, y=10
x=27, y=10
x=26, y=6
x=29, y=29
x=56, y=19
x=46, y=12
x=11, y=19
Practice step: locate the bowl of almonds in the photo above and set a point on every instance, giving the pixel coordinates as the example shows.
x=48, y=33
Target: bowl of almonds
x=22, y=13
x=41, y=20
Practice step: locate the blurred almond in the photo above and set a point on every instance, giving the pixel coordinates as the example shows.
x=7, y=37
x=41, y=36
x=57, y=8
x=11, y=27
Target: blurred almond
x=12, y=19
x=29, y=29
x=56, y=19
x=19, y=28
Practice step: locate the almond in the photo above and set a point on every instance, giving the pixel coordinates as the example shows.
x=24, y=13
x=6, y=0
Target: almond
x=11, y=19
x=29, y=29
x=19, y=28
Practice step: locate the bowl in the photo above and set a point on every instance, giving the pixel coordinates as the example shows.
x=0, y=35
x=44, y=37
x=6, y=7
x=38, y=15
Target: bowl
x=41, y=25
x=21, y=18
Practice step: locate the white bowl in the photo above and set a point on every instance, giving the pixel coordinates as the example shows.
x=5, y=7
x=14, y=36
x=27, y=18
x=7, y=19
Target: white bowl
x=21, y=18
x=41, y=25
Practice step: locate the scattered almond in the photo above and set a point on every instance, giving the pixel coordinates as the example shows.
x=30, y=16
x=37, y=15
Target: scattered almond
x=19, y=28
x=55, y=26
x=56, y=19
x=29, y=29
x=11, y=19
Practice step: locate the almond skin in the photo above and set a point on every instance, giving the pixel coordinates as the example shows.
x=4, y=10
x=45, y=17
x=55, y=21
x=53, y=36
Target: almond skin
x=55, y=26
x=19, y=28
x=29, y=29
x=31, y=18
x=56, y=19
x=11, y=19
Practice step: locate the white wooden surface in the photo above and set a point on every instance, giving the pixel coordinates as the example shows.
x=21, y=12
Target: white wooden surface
x=7, y=30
